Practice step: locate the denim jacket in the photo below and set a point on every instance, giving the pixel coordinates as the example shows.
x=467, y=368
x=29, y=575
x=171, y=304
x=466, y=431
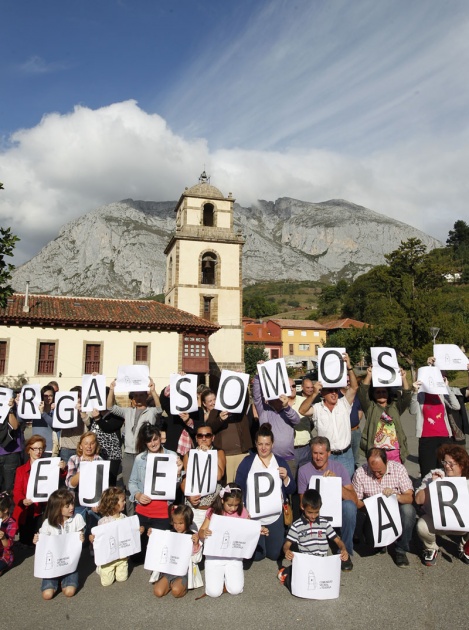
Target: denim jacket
x=137, y=476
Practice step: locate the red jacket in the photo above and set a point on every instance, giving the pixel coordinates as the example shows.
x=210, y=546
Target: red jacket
x=21, y=513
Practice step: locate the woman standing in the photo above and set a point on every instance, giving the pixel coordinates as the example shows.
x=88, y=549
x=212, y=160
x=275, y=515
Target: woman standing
x=269, y=546
x=383, y=426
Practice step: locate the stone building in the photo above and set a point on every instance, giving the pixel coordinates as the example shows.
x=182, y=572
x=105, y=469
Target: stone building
x=203, y=270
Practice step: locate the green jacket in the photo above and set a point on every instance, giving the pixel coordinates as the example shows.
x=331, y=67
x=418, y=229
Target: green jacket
x=373, y=413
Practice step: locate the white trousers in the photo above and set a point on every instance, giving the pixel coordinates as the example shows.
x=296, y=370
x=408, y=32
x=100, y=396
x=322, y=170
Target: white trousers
x=221, y=572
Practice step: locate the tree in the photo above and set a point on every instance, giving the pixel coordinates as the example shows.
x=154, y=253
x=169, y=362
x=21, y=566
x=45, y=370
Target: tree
x=253, y=354
x=7, y=245
x=459, y=236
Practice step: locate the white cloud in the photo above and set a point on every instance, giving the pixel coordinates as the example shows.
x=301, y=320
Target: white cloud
x=38, y=65
x=71, y=164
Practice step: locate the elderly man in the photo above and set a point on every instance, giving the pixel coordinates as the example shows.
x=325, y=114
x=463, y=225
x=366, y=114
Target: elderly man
x=380, y=476
x=322, y=466
x=332, y=417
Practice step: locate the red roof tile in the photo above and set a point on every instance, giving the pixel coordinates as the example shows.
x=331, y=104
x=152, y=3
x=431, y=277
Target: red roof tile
x=101, y=313
x=302, y=324
x=344, y=323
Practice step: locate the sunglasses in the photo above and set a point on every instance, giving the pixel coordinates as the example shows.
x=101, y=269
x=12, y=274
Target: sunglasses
x=203, y=436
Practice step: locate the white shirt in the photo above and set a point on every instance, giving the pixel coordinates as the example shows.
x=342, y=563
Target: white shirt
x=335, y=424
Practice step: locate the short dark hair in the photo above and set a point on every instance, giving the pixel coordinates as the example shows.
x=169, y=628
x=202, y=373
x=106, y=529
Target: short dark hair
x=265, y=430
x=321, y=440
x=312, y=499
x=146, y=432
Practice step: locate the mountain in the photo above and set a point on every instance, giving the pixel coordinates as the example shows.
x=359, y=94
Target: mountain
x=117, y=249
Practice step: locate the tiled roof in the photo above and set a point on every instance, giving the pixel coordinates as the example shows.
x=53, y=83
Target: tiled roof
x=303, y=324
x=258, y=333
x=80, y=312
x=344, y=323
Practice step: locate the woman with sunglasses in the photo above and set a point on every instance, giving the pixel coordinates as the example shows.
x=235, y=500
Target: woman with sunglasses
x=199, y=504
x=454, y=462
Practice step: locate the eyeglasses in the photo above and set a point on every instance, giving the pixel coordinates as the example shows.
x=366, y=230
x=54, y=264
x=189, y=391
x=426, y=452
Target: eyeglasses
x=36, y=449
x=204, y=436
x=446, y=464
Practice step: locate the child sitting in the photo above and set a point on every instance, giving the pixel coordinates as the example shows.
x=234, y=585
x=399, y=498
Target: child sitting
x=8, y=528
x=310, y=534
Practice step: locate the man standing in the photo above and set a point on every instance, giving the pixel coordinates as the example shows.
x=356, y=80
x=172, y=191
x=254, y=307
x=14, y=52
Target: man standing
x=322, y=466
x=332, y=417
x=380, y=476
x=302, y=439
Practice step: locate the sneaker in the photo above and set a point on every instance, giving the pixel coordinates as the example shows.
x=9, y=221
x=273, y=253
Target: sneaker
x=346, y=565
x=464, y=552
x=281, y=575
x=429, y=557
x=401, y=560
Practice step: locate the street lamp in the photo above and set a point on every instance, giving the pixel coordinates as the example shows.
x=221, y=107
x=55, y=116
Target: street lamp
x=434, y=333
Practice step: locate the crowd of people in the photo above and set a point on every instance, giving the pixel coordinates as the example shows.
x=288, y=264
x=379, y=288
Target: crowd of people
x=267, y=436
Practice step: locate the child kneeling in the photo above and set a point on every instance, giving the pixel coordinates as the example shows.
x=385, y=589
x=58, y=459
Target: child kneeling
x=310, y=534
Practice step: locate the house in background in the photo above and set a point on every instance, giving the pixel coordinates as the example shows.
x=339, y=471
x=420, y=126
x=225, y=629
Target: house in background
x=343, y=324
x=301, y=340
x=46, y=338
x=258, y=334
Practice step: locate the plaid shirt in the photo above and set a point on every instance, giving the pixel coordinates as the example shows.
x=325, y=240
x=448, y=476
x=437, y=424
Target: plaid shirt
x=185, y=441
x=367, y=485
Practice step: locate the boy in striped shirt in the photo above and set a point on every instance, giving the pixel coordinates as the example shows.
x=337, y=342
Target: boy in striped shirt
x=310, y=534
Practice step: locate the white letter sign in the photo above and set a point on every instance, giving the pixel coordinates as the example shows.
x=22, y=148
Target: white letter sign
x=201, y=473
x=30, y=399
x=449, y=356
x=118, y=539
x=330, y=489
x=168, y=552
x=232, y=537
x=65, y=412
x=386, y=371
x=161, y=476
x=450, y=504
x=385, y=518
x=273, y=378
x=57, y=555
x=93, y=392
x=132, y=378
x=6, y=395
x=432, y=381
x=183, y=393
x=314, y=577
x=332, y=369
x=43, y=479
x=94, y=480
x=232, y=390
x=264, y=494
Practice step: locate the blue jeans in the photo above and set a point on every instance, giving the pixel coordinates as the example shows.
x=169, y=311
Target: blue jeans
x=356, y=437
x=91, y=518
x=408, y=517
x=271, y=546
x=349, y=520
x=347, y=461
x=66, y=580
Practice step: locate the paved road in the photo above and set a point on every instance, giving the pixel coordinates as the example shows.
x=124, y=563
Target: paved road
x=375, y=594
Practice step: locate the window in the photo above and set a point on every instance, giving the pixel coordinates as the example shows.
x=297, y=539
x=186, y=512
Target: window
x=316, y=334
x=291, y=333
x=46, y=361
x=208, y=308
x=274, y=353
x=3, y=356
x=208, y=215
x=303, y=333
x=208, y=268
x=141, y=354
x=92, y=358
x=195, y=356
x=304, y=347
x=290, y=349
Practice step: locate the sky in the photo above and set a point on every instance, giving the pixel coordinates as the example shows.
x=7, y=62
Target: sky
x=362, y=100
